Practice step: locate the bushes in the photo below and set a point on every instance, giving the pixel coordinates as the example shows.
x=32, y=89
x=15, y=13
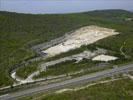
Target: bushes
x=26, y=70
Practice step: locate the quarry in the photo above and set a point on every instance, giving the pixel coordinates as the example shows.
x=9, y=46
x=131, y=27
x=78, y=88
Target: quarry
x=82, y=36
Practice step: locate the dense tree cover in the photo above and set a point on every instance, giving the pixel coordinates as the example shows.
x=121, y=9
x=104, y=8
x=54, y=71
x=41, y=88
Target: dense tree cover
x=18, y=31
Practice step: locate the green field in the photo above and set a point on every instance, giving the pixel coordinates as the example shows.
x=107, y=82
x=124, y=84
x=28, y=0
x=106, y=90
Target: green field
x=18, y=32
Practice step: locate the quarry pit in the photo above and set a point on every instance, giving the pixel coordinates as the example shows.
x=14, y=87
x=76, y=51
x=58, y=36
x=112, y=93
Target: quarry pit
x=83, y=36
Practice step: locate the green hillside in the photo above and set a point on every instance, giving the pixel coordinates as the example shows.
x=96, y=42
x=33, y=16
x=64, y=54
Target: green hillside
x=18, y=32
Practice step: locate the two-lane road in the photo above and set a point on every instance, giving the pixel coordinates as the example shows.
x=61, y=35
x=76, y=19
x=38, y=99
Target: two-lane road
x=68, y=83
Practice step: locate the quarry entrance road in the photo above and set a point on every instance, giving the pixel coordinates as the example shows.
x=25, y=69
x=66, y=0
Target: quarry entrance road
x=68, y=83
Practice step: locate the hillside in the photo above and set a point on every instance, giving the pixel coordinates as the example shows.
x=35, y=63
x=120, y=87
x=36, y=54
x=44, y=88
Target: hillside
x=18, y=32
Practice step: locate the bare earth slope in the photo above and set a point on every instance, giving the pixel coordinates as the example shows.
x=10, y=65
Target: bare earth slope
x=83, y=36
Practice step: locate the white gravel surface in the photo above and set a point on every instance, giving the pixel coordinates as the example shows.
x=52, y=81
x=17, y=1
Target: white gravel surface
x=103, y=57
x=83, y=36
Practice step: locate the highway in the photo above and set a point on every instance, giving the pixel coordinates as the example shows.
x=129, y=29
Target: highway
x=71, y=82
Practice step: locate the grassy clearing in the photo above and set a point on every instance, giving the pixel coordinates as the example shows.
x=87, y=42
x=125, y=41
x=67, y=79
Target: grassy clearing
x=19, y=31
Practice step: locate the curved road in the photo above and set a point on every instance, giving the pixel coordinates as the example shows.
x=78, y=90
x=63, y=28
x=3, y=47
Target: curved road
x=67, y=83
